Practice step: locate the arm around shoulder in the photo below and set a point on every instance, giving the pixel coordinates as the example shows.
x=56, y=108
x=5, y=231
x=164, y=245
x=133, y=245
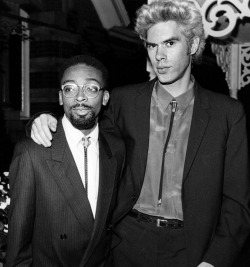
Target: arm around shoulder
x=40, y=126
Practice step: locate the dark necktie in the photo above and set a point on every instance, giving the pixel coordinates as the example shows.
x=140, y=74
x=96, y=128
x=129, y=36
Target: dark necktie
x=173, y=104
x=86, y=142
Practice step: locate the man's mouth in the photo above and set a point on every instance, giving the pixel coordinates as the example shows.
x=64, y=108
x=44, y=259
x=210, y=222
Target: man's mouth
x=81, y=110
x=162, y=69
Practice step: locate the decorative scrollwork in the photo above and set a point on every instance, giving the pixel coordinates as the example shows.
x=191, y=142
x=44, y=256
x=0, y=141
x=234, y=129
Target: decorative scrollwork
x=223, y=56
x=245, y=64
x=222, y=53
x=212, y=11
x=234, y=59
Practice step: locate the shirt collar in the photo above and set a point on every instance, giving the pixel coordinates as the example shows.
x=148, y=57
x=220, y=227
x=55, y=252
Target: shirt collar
x=164, y=97
x=74, y=135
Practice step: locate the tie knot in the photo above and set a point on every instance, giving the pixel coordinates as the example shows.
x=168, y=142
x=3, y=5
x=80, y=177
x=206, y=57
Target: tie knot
x=86, y=141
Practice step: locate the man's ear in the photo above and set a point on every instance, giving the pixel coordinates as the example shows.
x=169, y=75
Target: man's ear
x=105, y=98
x=60, y=98
x=195, y=45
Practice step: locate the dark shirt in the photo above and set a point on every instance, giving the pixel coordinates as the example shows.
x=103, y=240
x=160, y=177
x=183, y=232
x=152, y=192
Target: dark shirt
x=160, y=113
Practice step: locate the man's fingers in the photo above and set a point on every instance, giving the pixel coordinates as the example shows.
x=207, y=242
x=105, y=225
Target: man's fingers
x=52, y=123
x=39, y=137
x=34, y=138
x=41, y=127
x=41, y=132
x=42, y=124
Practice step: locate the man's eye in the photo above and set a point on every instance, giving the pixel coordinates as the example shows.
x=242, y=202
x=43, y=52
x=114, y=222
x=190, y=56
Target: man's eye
x=69, y=88
x=92, y=88
x=150, y=46
x=169, y=43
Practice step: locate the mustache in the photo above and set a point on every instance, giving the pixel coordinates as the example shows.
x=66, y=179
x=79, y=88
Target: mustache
x=81, y=106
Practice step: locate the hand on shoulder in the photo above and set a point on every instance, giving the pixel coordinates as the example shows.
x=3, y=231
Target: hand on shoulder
x=41, y=129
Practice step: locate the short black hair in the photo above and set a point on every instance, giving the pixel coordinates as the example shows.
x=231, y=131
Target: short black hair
x=88, y=60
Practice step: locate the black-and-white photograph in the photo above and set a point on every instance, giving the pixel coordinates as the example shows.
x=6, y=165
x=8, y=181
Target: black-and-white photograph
x=124, y=134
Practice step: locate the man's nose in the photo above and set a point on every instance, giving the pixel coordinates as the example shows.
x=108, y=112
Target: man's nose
x=160, y=53
x=81, y=95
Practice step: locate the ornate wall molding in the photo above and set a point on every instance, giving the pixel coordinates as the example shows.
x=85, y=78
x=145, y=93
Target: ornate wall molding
x=234, y=59
x=220, y=18
x=245, y=64
x=213, y=10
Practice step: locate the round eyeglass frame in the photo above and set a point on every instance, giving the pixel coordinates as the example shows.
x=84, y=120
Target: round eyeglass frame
x=83, y=87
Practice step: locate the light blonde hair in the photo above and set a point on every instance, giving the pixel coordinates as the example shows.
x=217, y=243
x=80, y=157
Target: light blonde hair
x=184, y=12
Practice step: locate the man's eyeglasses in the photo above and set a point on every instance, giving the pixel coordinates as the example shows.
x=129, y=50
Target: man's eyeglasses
x=72, y=89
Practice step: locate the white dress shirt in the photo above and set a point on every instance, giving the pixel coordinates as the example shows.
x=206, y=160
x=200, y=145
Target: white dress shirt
x=74, y=139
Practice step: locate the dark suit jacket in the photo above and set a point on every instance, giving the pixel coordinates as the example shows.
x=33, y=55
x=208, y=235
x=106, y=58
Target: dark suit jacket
x=215, y=189
x=50, y=219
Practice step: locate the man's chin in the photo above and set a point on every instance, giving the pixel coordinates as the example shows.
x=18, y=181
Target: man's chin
x=83, y=122
x=84, y=127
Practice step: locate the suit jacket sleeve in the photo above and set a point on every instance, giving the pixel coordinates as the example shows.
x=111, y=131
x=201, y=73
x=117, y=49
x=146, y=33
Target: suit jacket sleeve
x=107, y=121
x=234, y=223
x=22, y=208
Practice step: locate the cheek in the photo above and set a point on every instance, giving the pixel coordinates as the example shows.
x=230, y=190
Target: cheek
x=67, y=105
x=98, y=107
x=153, y=61
x=151, y=54
x=180, y=59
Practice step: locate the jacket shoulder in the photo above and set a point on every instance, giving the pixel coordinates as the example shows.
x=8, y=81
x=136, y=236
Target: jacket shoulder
x=219, y=99
x=223, y=107
x=28, y=146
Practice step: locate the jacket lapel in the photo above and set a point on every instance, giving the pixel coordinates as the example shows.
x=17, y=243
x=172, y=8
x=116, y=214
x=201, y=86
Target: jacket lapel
x=107, y=175
x=198, y=127
x=67, y=177
x=106, y=181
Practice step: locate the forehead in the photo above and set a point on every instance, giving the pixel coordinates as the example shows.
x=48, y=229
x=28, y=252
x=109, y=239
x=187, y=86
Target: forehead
x=82, y=72
x=164, y=31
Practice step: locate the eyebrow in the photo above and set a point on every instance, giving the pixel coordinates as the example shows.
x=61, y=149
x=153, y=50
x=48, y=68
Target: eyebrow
x=174, y=38
x=88, y=79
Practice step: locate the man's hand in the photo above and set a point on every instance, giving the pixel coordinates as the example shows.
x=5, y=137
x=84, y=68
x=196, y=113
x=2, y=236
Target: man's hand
x=205, y=264
x=41, y=127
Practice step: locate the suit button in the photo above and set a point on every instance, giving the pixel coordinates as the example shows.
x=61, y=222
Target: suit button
x=133, y=197
x=63, y=236
x=109, y=228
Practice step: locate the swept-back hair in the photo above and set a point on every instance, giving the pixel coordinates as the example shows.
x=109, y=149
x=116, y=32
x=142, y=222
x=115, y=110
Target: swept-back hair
x=184, y=12
x=88, y=60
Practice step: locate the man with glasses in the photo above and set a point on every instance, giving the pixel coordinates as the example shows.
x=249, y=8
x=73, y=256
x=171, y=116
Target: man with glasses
x=62, y=198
